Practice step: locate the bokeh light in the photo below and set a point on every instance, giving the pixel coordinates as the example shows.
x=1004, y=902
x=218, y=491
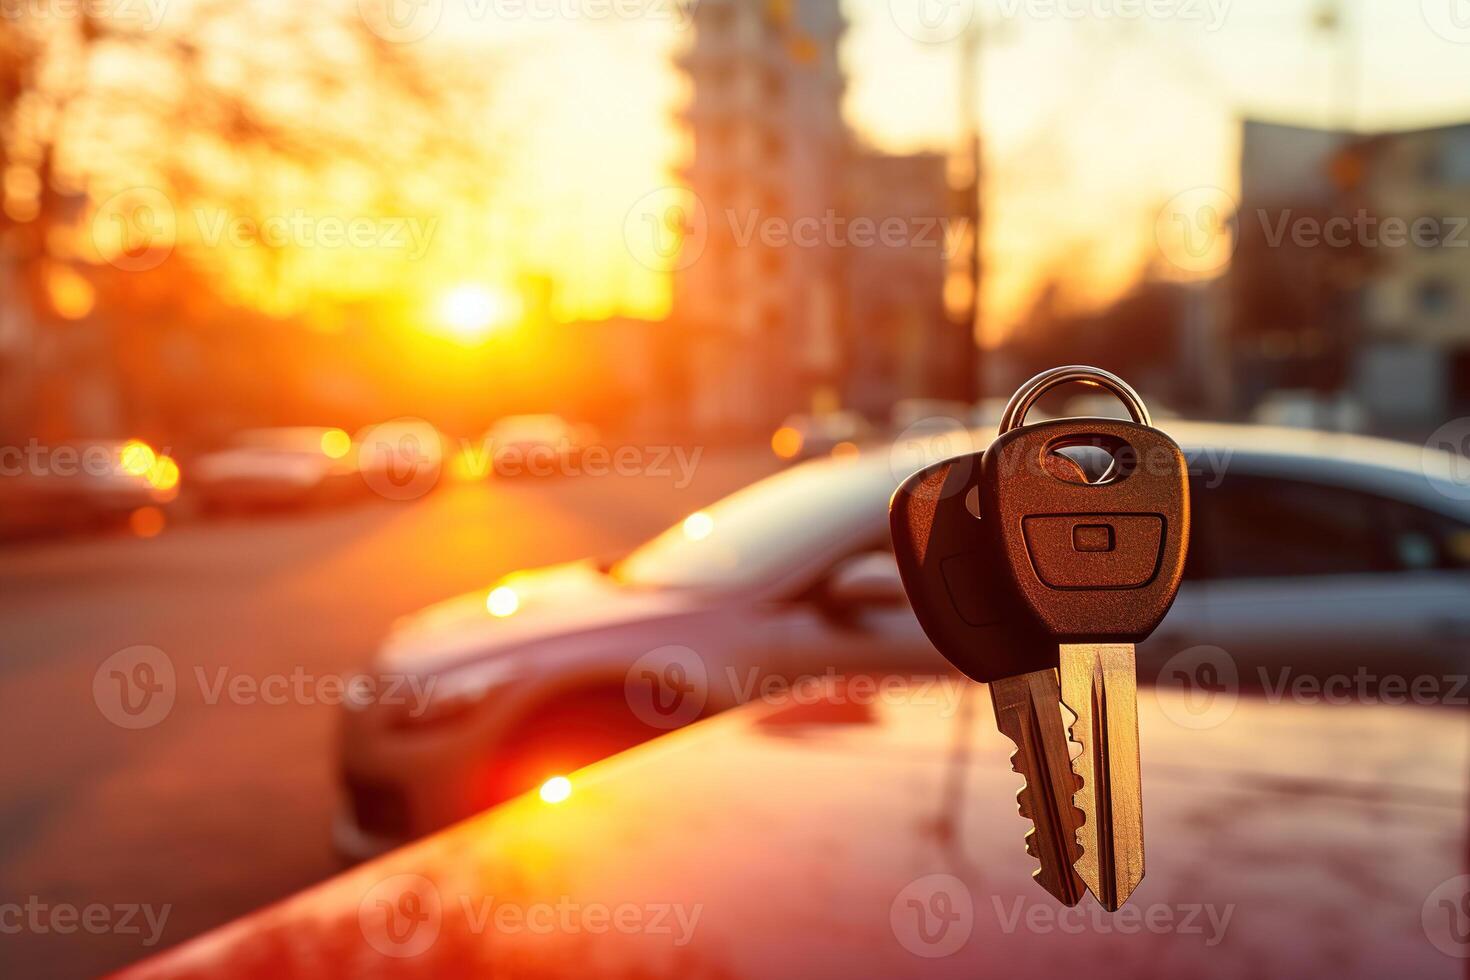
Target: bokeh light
x=336, y=443
x=786, y=442
x=503, y=602
x=557, y=789
x=698, y=526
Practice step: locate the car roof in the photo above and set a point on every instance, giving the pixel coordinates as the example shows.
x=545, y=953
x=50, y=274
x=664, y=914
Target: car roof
x=802, y=838
x=1396, y=469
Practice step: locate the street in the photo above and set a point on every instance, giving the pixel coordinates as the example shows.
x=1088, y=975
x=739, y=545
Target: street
x=225, y=804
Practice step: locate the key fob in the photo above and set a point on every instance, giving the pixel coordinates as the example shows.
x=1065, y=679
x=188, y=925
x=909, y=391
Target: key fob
x=955, y=578
x=1088, y=562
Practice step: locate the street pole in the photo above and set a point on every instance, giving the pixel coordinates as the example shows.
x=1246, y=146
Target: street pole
x=973, y=383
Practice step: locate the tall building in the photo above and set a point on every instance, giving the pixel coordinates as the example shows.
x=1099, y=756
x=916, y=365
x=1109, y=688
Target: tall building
x=1414, y=363
x=903, y=344
x=1374, y=299
x=760, y=310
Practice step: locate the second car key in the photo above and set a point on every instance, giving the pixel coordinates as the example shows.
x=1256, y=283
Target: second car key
x=954, y=584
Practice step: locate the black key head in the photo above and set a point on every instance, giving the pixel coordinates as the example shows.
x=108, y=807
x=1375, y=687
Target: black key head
x=955, y=576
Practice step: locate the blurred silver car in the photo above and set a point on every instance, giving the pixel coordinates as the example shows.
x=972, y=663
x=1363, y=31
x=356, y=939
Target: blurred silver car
x=283, y=467
x=535, y=445
x=1309, y=552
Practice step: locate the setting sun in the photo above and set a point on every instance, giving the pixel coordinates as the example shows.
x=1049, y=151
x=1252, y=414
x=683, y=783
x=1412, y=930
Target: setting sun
x=470, y=314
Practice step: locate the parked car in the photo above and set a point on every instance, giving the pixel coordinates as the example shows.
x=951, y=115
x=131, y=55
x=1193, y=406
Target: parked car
x=861, y=837
x=82, y=484
x=535, y=445
x=277, y=468
x=1309, y=551
x=803, y=437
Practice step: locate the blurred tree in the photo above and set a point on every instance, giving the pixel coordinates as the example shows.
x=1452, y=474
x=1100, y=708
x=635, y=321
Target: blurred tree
x=1139, y=337
x=132, y=131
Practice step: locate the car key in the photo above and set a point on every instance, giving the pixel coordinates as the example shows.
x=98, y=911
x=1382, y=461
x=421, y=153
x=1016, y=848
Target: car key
x=952, y=580
x=1095, y=566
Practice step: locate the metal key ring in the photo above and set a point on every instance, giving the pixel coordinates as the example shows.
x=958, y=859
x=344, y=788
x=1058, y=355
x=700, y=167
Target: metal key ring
x=1014, y=415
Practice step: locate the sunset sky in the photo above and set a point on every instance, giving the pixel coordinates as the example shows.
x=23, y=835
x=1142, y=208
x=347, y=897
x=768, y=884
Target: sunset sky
x=1091, y=125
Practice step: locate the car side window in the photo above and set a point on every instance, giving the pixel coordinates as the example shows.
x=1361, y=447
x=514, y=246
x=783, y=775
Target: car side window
x=1260, y=527
x=1422, y=540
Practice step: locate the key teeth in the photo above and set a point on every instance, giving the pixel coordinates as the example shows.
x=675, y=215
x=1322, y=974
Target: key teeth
x=1024, y=809
x=1078, y=739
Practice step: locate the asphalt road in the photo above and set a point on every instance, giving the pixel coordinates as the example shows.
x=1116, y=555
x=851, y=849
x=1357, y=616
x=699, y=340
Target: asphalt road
x=115, y=843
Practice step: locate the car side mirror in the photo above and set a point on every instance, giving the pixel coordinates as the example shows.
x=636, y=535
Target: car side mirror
x=869, y=579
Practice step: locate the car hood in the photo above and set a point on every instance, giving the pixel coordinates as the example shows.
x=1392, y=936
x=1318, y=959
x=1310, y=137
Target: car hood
x=561, y=600
x=869, y=835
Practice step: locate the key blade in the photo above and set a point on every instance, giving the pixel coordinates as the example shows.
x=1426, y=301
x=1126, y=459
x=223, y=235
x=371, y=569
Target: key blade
x=1100, y=686
x=1026, y=711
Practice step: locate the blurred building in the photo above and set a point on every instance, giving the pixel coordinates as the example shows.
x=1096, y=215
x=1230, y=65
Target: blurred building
x=902, y=343
x=17, y=340
x=1293, y=317
x=791, y=306
x=1331, y=291
x=769, y=145
x=1413, y=366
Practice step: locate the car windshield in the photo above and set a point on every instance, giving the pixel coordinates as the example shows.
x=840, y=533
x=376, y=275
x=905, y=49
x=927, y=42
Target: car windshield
x=751, y=537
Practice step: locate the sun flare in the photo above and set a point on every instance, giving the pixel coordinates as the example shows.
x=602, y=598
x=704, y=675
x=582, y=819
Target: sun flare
x=471, y=314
